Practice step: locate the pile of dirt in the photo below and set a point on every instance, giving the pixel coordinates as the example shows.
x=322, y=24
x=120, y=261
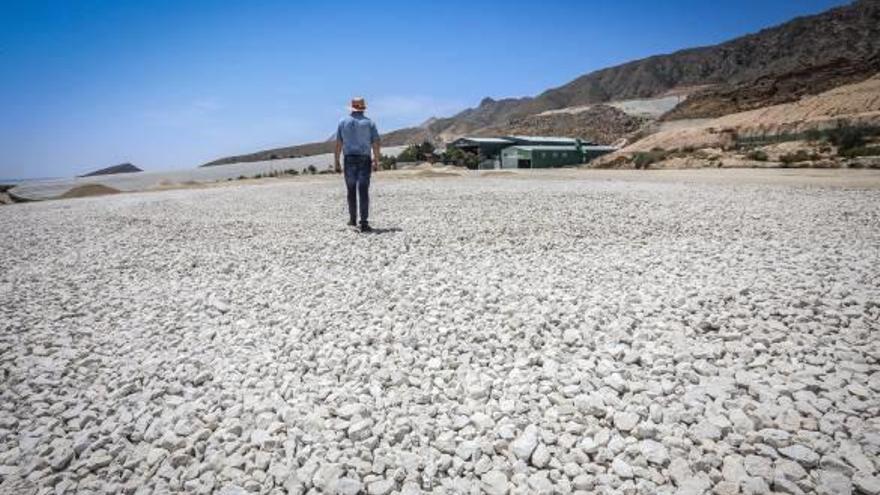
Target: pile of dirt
x=88, y=190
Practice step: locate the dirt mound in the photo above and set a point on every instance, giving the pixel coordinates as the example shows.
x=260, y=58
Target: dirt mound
x=88, y=190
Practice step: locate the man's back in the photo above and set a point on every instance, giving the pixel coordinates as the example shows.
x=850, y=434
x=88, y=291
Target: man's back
x=357, y=134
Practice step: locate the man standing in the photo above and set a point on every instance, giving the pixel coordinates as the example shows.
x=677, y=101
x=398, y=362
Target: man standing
x=355, y=137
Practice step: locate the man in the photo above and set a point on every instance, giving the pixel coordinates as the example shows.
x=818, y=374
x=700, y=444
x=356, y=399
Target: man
x=355, y=137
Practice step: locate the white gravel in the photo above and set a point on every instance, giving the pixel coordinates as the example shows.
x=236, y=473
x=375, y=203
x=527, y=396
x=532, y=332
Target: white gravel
x=508, y=335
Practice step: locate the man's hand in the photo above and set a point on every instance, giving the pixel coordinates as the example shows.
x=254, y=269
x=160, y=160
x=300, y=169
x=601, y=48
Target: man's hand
x=336, y=153
x=375, y=165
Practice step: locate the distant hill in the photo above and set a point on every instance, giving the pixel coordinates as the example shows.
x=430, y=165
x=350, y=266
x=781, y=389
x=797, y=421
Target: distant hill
x=805, y=56
x=122, y=168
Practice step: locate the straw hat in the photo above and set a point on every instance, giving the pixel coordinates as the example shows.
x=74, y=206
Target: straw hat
x=358, y=104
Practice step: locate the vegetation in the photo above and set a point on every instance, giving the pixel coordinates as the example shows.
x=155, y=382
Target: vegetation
x=860, y=151
x=455, y=156
x=387, y=162
x=847, y=138
x=797, y=157
x=416, y=152
x=644, y=159
x=757, y=155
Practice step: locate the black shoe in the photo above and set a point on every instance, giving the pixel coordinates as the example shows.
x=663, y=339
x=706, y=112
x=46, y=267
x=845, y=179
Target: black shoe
x=365, y=227
x=352, y=223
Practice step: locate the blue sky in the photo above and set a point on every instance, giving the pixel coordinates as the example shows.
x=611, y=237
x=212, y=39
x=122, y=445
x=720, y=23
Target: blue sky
x=171, y=84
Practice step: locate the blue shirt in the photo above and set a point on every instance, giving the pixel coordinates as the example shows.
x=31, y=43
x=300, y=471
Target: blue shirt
x=357, y=134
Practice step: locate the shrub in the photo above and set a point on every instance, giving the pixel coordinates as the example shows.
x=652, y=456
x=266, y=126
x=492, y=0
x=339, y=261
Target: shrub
x=644, y=159
x=860, y=151
x=757, y=155
x=799, y=156
x=416, y=152
x=847, y=138
x=456, y=156
x=310, y=170
x=813, y=135
x=387, y=162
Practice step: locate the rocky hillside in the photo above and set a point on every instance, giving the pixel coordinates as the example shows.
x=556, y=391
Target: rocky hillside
x=122, y=168
x=600, y=124
x=773, y=89
x=804, y=56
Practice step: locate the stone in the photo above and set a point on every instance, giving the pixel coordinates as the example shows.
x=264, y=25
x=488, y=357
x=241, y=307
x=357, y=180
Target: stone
x=733, y=470
x=348, y=411
x=679, y=470
x=540, y=484
x=98, y=461
x=327, y=476
x=360, y=430
x=758, y=466
x=625, y=421
x=654, y=452
x=571, y=336
x=866, y=484
x=755, y=486
x=494, y=483
x=61, y=458
x=833, y=483
x=541, y=456
x=621, y=468
x=803, y=455
x=348, y=486
x=782, y=485
x=525, y=443
x=694, y=485
x=381, y=487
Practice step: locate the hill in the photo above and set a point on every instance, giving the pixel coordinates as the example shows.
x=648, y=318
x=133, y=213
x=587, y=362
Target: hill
x=122, y=168
x=805, y=56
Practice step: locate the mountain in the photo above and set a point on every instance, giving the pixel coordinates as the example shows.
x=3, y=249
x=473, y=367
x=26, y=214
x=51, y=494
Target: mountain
x=122, y=168
x=804, y=56
x=848, y=35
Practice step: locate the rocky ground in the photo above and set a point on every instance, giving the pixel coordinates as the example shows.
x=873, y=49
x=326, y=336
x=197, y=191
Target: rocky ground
x=497, y=334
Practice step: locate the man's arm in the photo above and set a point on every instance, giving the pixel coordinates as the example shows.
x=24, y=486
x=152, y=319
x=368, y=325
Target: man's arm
x=377, y=152
x=336, y=154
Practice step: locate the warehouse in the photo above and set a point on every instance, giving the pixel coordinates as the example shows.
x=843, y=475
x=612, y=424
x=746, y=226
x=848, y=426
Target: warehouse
x=540, y=156
x=529, y=151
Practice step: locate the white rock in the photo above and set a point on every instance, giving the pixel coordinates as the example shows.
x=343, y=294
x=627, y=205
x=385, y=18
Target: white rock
x=525, y=443
x=494, y=483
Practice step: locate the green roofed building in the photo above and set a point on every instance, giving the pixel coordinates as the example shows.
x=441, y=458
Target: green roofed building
x=540, y=156
x=529, y=151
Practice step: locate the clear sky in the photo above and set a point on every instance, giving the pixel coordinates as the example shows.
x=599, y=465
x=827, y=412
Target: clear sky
x=171, y=84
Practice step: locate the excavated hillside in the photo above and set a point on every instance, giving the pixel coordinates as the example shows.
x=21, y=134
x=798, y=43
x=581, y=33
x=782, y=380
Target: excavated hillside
x=600, y=124
x=853, y=105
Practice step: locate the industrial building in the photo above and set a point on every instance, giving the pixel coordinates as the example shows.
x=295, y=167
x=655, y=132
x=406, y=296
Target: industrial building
x=529, y=151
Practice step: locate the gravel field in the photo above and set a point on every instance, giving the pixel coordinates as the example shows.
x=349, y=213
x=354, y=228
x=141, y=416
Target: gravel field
x=525, y=334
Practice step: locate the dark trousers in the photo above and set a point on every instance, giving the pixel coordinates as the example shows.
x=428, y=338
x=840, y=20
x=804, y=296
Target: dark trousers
x=357, y=181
